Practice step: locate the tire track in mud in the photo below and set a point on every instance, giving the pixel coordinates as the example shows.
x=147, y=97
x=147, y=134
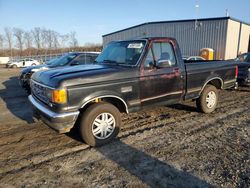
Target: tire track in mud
x=227, y=153
x=135, y=139
x=203, y=132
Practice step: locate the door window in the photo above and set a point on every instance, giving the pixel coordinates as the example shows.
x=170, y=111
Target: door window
x=164, y=51
x=82, y=59
x=160, y=51
x=149, y=61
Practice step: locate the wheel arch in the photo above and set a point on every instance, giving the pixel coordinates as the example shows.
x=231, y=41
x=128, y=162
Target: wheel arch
x=215, y=81
x=117, y=101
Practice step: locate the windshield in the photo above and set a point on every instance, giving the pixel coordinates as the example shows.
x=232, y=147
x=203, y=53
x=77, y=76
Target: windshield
x=61, y=61
x=243, y=58
x=122, y=52
x=51, y=61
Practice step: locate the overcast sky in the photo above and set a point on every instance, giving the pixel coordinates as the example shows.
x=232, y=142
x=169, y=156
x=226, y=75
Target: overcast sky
x=93, y=18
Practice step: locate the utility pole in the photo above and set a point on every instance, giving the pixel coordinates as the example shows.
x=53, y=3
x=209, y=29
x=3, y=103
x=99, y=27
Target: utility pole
x=197, y=6
x=227, y=13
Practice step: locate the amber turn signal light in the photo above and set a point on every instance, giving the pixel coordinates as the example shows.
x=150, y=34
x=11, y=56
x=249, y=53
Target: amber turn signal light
x=59, y=96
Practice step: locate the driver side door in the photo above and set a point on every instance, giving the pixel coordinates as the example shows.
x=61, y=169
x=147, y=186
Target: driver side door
x=160, y=84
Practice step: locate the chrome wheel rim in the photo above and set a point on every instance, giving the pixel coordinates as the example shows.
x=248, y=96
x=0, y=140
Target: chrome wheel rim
x=211, y=99
x=103, y=126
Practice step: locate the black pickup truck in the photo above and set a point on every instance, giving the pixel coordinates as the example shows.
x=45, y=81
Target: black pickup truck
x=244, y=69
x=126, y=77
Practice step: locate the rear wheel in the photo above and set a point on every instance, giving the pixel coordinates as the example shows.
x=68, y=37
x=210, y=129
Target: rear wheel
x=208, y=99
x=100, y=123
x=33, y=64
x=14, y=66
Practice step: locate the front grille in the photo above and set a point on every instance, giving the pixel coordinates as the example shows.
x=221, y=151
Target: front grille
x=39, y=92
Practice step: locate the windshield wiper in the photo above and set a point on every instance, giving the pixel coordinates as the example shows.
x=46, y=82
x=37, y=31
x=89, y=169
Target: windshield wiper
x=110, y=61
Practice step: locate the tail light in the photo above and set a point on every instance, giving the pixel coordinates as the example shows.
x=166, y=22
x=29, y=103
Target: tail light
x=236, y=71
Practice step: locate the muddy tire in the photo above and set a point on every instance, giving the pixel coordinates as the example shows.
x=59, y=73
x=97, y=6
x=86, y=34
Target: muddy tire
x=208, y=100
x=99, y=124
x=14, y=66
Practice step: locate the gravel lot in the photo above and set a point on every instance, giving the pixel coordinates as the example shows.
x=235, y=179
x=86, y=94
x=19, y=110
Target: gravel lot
x=173, y=146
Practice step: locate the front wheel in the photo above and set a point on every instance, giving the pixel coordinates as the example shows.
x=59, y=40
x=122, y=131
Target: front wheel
x=100, y=123
x=208, y=99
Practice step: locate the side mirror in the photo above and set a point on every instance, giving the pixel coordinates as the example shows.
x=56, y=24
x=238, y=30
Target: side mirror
x=164, y=63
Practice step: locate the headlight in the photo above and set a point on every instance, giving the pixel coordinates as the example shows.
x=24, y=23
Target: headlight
x=59, y=96
x=248, y=69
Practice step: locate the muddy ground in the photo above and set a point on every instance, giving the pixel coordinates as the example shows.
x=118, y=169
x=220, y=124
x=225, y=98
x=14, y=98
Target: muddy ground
x=173, y=146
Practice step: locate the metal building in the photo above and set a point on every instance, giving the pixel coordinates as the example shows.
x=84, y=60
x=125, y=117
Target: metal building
x=226, y=35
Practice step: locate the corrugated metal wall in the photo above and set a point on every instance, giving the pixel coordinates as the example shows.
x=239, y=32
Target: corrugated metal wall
x=209, y=34
x=232, y=40
x=244, y=38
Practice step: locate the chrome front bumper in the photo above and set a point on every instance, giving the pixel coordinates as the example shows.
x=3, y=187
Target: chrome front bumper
x=61, y=122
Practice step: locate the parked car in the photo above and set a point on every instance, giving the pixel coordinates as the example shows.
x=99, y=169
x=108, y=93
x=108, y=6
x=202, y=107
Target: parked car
x=69, y=59
x=244, y=69
x=193, y=58
x=127, y=77
x=22, y=63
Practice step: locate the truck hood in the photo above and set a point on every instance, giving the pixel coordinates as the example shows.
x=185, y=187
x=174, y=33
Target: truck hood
x=33, y=68
x=83, y=74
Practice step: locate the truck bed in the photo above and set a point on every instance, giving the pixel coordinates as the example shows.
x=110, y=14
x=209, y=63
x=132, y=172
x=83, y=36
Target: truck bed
x=198, y=72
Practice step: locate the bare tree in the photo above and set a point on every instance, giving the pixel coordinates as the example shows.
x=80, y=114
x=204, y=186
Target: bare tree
x=28, y=40
x=36, y=32
x=1, y=42
x=19, y=34
x=55, y=37
x=63, y=40
x=43, y=40
x=49, y=38
x=9, y=38
x=46, y=40
x=72, y=39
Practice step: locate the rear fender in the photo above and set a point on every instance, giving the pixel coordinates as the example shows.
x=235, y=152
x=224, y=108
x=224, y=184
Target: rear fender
x=215, y=81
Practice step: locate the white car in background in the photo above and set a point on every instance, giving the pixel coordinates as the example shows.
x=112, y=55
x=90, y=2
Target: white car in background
x=193, y=58
x=22, y=63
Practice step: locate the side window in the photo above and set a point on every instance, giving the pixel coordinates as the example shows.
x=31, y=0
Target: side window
x=92, y=58
x=160, y=51
x=248, y=58
x=149, y=61
x=82, y=59
x=245, y=58
x=88, y=59
x=157, y=51
x=164, y=51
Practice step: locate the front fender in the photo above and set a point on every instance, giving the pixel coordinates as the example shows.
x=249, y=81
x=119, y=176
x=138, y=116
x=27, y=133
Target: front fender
x=101, y=95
